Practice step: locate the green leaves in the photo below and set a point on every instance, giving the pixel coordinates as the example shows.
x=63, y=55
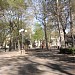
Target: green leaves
x=17, y=3
x=39, y=33
x=3, y=4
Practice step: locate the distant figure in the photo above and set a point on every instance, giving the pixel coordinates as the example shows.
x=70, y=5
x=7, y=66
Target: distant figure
x=58, y=47
x=43, y=44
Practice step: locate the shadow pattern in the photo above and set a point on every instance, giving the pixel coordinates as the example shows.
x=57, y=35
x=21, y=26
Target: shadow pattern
x=22, y=65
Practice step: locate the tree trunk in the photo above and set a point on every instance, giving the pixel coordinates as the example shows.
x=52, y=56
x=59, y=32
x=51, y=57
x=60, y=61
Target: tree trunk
x=10, y=34
x=46, y=36
x=15, y=45
x=64, y=37
x=10, y=45
x=58, y=19
x=18, y=45
x=71, y=25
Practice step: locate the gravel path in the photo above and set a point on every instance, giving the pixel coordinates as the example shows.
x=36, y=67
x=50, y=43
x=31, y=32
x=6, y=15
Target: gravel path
x=34, y=63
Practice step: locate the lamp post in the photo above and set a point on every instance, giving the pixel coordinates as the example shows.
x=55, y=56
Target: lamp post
x=21, y=31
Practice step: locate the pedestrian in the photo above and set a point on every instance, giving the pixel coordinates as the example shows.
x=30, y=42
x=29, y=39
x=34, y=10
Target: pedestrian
x=43, y=44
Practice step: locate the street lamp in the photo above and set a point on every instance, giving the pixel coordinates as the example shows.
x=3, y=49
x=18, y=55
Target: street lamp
x=21, y=31
x=25, y=30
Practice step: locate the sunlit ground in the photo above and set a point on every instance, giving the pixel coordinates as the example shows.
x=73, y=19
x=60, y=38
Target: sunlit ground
x=36, y=63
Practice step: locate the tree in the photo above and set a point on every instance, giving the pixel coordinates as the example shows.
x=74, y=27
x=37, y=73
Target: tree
x=3, y=4
x=38, y=32
x=3, y=31
x=41, y=16
x=13, y=16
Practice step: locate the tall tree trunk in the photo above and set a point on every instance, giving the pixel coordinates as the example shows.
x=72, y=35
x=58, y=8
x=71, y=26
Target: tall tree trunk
x=71, y=25
x=59, y=35
x=15, y=45
x=18, y=45
x=64, y=37
x=46, y=35
x=58, y=19
x=18, y=34
x=10, y=45
x=10, y=35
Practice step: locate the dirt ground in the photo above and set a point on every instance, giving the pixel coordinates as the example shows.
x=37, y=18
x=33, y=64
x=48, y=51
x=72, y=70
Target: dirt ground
x=36, y=63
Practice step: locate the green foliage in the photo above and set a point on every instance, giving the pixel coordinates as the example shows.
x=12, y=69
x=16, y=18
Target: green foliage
x=3, y=4
x=67, y=50
x=17, y=3
x=3, y=31
x=72, y=50
x=39, y=33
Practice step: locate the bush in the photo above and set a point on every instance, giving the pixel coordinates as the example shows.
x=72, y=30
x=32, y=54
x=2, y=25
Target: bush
x=72, y=50
x=67, y=50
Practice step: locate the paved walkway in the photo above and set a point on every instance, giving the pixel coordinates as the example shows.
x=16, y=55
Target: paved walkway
x=36, y=63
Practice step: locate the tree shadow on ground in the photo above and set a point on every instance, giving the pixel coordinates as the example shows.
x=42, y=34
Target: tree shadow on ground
x=60, y=68
x=52, y=54
x=11, y=65
x=67, y=58
x=29, y=69
x=26, y=66
x=12, y=60
x=20, y=64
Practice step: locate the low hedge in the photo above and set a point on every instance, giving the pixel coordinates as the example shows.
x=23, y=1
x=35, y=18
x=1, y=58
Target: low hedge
x=67, y=50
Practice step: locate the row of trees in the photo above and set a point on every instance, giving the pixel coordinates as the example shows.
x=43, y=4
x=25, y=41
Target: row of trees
x=13, y=17
x=56, y=16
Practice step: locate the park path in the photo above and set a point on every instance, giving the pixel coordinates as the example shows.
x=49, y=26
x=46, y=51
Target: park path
x=34, y=63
